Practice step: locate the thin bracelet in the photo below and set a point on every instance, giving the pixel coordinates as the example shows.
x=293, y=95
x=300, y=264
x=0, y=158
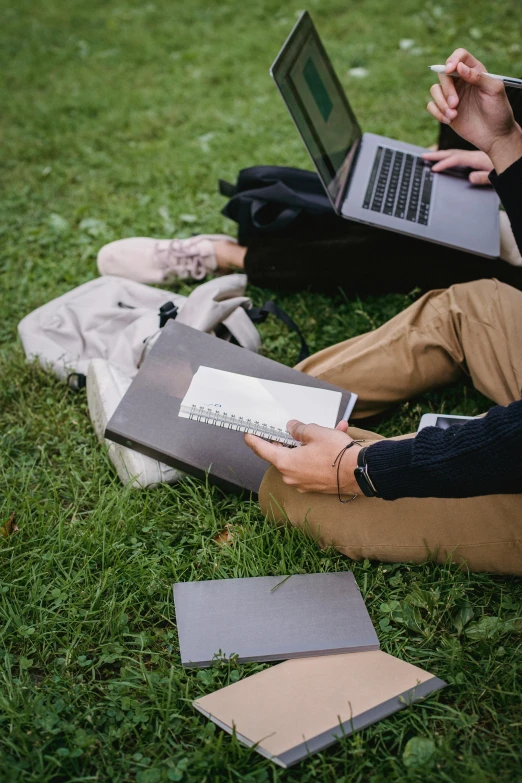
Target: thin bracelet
x=337, y=461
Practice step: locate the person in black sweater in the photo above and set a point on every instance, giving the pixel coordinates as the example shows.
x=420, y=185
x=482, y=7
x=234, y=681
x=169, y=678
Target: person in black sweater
x=456, y=492
x=288, y=248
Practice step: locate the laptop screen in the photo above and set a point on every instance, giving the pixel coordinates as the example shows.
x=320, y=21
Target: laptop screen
x=318, y=104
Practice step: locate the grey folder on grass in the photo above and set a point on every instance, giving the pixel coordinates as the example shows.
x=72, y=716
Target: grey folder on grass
x=302, y=706
x=147, y=417
x=306, y=615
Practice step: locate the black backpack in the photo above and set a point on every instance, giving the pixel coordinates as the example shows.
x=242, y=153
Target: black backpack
x=276, y=200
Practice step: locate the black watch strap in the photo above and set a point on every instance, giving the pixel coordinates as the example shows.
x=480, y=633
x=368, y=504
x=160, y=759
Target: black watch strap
x=361, y=475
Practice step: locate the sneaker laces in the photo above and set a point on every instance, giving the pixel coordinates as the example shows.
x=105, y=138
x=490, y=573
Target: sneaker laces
x=184, y=258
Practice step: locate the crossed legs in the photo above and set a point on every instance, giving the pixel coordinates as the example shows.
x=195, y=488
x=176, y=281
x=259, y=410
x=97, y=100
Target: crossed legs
x=473, y=328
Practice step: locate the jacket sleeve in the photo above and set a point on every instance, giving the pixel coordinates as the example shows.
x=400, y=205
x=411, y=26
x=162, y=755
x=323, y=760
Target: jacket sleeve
x=481, y=457
x=509, y=188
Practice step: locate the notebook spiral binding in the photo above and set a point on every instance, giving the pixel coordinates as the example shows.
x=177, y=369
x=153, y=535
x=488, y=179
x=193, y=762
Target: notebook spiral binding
x=238, y=423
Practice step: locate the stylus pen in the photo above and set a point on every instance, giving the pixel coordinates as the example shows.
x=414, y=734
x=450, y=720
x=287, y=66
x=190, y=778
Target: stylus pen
x=509, y=81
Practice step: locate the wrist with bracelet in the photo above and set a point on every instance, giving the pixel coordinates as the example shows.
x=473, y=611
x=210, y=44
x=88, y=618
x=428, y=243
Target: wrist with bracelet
x=360, y=473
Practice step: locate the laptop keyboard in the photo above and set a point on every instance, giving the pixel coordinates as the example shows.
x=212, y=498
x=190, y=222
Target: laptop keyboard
x=400, y=185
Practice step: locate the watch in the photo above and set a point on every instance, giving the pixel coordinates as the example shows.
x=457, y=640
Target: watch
x=361, y=475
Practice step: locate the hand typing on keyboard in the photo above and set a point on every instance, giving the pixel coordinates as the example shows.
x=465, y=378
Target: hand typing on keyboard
x=473, y=159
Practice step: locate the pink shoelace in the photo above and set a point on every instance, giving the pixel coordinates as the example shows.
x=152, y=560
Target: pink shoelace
x=183, y=258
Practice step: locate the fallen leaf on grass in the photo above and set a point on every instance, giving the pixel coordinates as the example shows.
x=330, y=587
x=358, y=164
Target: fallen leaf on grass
x=224, y=536
x=9, y=527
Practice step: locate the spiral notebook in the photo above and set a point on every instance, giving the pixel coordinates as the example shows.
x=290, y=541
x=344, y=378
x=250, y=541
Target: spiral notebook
x=147, y=417
x=261, y=407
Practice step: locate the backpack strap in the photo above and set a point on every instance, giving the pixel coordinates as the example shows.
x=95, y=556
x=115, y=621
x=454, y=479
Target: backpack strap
x=258, y=315
x=227, y=189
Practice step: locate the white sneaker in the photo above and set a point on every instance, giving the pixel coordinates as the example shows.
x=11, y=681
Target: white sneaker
x=160, y=260
x=106, y=385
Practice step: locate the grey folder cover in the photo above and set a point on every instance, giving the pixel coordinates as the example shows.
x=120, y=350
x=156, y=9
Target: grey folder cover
x=308, y=614
x=147, y=417
x=302, y=706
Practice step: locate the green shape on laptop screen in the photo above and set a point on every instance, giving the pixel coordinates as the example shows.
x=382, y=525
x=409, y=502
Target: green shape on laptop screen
x=317, y=88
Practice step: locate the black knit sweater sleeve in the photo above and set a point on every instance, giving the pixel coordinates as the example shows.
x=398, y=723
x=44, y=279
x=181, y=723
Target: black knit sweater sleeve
x=509, y=187
x=481, y=457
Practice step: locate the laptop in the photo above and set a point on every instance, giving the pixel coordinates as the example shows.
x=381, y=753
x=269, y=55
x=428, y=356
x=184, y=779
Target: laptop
x=373, y=179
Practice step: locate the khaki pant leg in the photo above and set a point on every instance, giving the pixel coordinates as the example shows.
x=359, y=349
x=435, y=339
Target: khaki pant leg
x=473, y=328
x=483, y=532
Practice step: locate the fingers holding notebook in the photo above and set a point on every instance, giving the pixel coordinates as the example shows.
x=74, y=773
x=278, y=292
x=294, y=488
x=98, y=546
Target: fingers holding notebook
x=313, y=467
x=267, y=450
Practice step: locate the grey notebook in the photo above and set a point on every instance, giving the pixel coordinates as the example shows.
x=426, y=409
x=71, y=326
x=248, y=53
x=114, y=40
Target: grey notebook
x=302, y=706
x=147, y=417
x=305, y=615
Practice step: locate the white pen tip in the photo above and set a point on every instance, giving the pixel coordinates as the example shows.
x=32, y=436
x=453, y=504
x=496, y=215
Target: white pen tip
x=437, y=68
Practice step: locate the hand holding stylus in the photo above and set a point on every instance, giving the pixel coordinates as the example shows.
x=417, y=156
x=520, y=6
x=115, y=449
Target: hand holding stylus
x=477, y=108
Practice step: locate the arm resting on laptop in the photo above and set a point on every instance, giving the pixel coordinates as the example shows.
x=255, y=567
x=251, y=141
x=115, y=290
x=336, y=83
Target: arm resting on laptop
x=477, y=108
x=481, y=457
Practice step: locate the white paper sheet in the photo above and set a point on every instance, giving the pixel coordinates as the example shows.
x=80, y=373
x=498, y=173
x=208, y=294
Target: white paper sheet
x=253, y=404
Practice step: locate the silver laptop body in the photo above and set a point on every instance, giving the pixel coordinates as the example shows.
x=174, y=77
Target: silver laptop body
x=373, y=179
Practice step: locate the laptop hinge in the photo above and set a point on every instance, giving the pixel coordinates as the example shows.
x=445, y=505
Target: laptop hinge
x=345, y=182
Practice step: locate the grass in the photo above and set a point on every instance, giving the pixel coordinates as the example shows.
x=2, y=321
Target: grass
x=118, y=118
